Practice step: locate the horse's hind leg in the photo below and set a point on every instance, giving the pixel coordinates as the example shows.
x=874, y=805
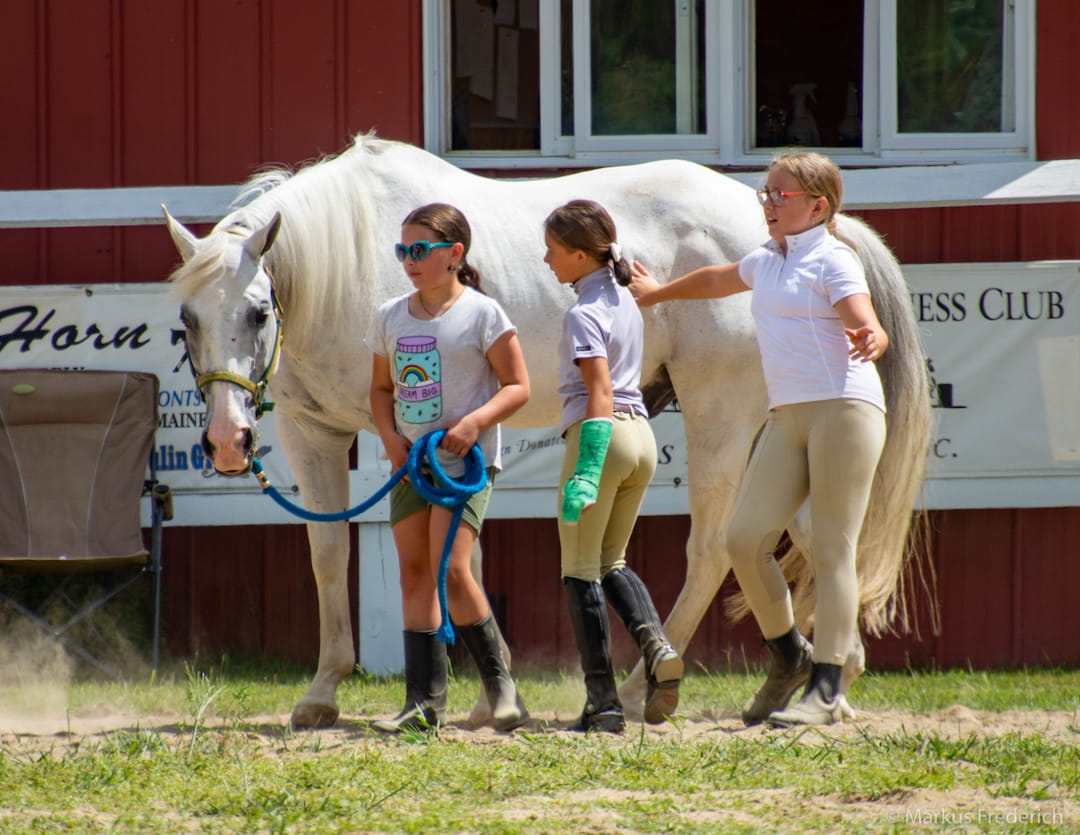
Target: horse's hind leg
x=854, y=665
x=707, y=564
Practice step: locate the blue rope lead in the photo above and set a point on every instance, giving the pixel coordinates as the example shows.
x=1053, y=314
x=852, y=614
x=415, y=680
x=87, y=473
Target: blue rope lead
x=452, y=494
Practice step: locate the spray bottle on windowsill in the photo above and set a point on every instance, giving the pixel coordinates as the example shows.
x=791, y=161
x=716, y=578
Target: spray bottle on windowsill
x=849, y=131
x=802, y=130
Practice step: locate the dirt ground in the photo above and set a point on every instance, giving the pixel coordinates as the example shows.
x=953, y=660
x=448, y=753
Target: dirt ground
x=17, y=729
x=961, y=809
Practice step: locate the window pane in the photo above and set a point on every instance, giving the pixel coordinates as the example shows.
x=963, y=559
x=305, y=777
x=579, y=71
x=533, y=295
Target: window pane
x=495, y=76
x=803, y=94
x=648, y=67
x=567, y=67
x=950, y=67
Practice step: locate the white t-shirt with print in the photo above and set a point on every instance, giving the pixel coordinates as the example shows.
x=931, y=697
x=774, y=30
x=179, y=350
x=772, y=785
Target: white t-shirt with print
x=440, y=367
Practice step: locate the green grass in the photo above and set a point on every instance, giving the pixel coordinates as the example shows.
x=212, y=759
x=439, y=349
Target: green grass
x=221, y=766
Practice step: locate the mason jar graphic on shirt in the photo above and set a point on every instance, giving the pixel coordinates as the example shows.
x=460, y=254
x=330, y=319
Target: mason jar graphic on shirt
x=419, y=379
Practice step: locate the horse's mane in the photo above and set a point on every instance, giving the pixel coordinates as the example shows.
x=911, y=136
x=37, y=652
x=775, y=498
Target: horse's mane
x=322, y=259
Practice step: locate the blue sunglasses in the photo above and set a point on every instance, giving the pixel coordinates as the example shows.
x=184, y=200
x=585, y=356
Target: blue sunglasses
x=418, y=250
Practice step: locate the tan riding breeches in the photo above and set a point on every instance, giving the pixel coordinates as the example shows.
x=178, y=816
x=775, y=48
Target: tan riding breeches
x=597, y=544
x=827, y=450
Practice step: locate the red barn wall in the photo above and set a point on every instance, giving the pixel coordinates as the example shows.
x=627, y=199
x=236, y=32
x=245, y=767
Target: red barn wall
x=177, y=92
x=1057, y=81
x=188, y=92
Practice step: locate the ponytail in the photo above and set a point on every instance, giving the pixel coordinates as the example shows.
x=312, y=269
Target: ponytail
x=468, y=275
x=831, y=226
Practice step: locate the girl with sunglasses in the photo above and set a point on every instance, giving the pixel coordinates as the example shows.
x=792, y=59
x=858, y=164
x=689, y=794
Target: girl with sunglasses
x=818, y=334
x=446, y=356
x=609, y=461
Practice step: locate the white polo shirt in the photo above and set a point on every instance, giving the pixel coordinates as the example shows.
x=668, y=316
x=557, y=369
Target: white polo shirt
x=804, y=350
x=605, y=322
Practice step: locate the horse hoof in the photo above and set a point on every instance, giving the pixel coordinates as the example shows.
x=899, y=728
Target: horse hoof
x=312, y=716
x=662, y=702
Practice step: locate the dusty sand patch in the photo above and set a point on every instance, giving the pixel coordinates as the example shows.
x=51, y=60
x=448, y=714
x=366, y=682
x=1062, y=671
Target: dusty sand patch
x=953, y=722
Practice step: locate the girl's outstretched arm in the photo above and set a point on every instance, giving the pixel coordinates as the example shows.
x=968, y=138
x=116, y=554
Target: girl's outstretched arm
x=712, y=282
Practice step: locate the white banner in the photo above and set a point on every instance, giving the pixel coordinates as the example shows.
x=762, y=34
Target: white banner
x=1003, y=344
x=126, y=327
x=1002, y=340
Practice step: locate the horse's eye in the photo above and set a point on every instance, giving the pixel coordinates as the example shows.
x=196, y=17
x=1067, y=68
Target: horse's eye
x=186, y=320
x=261, y=318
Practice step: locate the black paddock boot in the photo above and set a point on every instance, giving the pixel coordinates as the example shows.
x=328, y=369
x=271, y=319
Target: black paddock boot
x=588, y=617
x=425, y=685
x=482, y=640
x=820, y=703
x=663, y=667
x=789, y=668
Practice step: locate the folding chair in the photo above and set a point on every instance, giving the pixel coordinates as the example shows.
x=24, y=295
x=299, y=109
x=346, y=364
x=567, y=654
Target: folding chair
x=74, y=456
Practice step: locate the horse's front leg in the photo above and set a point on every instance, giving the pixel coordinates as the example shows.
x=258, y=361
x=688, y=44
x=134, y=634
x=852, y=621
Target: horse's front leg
x=318, y=707
x=319, y=461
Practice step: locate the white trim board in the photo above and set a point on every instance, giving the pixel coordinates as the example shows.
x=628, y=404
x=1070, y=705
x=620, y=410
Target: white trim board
x=975, y=184
x=908, y=187
x=114, y=206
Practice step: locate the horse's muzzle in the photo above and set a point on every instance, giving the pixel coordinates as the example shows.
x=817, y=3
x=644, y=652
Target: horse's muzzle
x=247, y=447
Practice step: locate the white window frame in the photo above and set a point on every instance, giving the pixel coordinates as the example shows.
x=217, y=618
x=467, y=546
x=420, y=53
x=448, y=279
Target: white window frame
x=585, y=142
x=729, y=99
x=1019, y=36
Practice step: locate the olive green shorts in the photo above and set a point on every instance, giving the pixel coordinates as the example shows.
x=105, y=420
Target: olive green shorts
x=405, y=501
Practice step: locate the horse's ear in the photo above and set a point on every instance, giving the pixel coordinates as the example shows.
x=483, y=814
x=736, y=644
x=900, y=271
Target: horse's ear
x=186, y=243
x=260, y=241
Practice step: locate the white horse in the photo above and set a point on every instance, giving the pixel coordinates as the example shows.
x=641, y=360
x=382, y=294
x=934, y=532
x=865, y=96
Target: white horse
x=327, y=234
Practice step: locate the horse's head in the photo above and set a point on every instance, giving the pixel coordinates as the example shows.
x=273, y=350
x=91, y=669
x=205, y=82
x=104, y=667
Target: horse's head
x=233, y=328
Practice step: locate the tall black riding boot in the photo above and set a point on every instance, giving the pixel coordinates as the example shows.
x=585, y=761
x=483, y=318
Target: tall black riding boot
x=789, y=668
x=663, y=667
x=588, y=617
x=425, y=685
x=482, y=640
x=820, y=703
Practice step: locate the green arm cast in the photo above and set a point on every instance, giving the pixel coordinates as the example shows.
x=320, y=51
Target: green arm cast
x=581, y=489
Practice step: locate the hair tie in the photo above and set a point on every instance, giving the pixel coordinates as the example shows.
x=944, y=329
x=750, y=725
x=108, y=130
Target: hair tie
x=616, y=252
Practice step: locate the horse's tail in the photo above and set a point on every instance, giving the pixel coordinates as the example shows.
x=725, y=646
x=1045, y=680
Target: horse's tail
x=894, y=535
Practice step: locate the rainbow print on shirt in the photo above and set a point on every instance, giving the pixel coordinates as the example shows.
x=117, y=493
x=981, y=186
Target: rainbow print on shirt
x=418, y=371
